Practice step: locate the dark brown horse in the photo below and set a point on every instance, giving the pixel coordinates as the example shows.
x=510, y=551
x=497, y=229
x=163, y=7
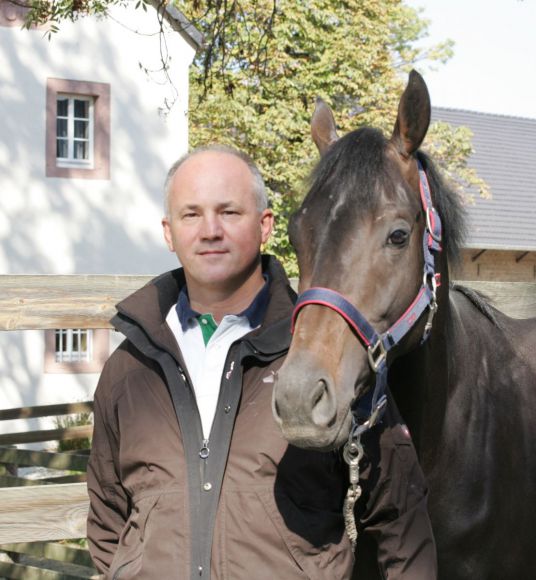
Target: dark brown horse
x=468, y=393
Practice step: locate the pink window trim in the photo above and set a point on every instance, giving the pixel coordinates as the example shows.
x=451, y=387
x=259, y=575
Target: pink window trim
x=101, y=352
x=11, y=14
x=101, y=128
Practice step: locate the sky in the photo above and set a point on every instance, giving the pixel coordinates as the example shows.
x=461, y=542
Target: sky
x=493, y=69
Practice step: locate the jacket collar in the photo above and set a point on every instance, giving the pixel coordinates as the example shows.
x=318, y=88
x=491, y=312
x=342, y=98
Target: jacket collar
x=148, y=307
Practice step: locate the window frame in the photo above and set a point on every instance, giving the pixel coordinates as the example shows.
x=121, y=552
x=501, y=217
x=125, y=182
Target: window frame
x=70, y=160
x=98, y=347
x=99, y=93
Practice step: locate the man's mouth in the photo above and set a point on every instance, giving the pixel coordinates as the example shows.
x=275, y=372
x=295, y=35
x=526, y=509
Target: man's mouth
x=212, y=252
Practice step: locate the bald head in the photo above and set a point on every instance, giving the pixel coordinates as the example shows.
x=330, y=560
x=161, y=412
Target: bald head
x=258, y=189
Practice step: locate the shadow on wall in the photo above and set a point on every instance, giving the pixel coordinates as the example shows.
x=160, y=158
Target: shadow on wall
x=52, y=225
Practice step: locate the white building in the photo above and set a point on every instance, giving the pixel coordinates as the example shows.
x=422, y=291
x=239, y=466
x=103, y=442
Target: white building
x=90, y=123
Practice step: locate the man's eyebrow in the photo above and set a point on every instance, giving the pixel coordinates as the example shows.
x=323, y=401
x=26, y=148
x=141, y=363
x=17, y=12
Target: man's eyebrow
x=219, y=206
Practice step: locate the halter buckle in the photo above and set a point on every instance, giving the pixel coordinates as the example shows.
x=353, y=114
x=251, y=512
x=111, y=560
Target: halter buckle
x=376, y=359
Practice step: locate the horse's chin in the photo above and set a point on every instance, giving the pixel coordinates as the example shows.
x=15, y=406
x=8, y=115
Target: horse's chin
x=319, y=439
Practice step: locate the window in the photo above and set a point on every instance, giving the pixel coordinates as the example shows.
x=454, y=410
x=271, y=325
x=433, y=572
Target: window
x=74, y=131
x=78, y=129
x=76, y=350
x=73, y=345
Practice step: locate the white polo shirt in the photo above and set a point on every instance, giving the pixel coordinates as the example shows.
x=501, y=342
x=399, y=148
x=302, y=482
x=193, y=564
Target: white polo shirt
x=205, y=364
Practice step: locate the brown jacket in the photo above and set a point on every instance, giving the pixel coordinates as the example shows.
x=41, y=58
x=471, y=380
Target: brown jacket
x=255, y=508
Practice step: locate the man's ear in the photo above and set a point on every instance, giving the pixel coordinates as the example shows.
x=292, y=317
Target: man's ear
x=267, y=224
x=167, y=233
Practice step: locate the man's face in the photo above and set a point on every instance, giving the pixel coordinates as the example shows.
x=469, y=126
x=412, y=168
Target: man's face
x=214, y=225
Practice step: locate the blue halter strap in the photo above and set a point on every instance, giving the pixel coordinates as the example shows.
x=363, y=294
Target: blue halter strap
x=378, y=345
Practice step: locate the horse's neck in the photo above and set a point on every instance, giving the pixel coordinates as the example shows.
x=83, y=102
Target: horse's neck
x=419, y=381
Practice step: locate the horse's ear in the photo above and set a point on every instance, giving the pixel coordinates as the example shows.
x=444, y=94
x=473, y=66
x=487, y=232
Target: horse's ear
x=413, y=116
x=323, y=128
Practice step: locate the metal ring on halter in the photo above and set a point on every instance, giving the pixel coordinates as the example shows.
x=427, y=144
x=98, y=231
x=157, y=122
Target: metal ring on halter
x=429, y=211
x=375, y=363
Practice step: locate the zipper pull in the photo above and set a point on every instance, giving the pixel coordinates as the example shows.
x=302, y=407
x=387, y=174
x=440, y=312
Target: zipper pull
x=204, y=453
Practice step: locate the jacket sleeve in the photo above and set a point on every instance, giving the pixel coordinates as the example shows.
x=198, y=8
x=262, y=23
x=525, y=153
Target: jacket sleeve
x=109, y=505
x=394, y=507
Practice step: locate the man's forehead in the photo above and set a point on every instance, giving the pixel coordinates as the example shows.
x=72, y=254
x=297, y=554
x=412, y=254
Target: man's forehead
x=212, y=177
x=214, y=162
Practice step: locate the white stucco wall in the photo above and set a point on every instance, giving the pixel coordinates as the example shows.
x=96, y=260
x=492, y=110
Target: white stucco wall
x=67, y=226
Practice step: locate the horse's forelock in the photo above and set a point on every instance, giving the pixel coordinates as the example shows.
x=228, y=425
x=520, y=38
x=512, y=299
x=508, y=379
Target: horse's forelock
x=350, y=170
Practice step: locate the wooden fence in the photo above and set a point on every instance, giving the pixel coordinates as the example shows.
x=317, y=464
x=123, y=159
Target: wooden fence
x=33, y=517
x=34, y=513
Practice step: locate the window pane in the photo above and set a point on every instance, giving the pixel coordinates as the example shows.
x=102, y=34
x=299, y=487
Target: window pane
x=81, y=109
x=62, y=106
x=81, y=150
x=81, y=129
x=83, y=341
x=61, y=148
x=61, y=127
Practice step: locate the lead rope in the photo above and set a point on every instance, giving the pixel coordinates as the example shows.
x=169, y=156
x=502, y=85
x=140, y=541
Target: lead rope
x=352, y=453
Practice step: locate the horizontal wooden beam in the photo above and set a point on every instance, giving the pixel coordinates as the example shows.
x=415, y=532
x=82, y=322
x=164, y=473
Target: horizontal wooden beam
x=46, y=410
x=77, y=301
x=48, y=459
x=516, y=299
x=51, y=551
x=13, y=571
x=43, y=512
x=78, y=432
x=41, y=302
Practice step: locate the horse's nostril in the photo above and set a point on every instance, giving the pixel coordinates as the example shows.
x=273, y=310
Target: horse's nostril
x=323, y=408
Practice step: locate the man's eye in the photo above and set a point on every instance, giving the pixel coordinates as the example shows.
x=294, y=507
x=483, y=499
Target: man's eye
x=398, y=238
x=189, y=215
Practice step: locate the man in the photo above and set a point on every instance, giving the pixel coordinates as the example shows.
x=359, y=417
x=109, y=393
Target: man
x=189, y=476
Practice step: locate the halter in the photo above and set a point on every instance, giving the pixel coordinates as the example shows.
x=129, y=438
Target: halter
x=378, y=345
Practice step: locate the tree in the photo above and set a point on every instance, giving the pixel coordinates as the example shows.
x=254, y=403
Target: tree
x=255, y=87
x=266, y=61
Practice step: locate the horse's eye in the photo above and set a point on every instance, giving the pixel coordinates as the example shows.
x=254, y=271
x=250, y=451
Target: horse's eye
x=398, y=238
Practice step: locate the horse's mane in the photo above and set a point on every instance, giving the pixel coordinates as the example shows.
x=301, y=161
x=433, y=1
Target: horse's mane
x=449, y=207
x=480, y=301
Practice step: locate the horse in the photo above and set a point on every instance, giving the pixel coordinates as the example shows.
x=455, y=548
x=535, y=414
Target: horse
x=462, y=373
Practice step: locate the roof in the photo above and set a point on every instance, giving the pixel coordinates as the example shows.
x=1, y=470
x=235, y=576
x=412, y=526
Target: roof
x=181, y=24
x=505, y=157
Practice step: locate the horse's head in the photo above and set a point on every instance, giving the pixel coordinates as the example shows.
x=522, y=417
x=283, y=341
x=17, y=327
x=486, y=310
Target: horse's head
x=359, y=232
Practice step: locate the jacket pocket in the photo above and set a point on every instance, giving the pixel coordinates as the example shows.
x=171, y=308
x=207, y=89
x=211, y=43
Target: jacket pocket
x=315, y=539
x=129, y=555
x=247, y=545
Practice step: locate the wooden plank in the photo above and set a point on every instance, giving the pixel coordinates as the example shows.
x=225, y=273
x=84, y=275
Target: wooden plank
x=14, y=481
x=78, y=432
x=77, y=301
x=51, y=460
x=517, y=299
x=52, y=551
x=15, y=571
x=77, y=478
x=40, y=302
x=46, y=410
x=43, y=512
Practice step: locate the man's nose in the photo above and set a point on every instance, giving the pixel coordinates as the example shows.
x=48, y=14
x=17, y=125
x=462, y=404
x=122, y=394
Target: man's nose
x=211, y=227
